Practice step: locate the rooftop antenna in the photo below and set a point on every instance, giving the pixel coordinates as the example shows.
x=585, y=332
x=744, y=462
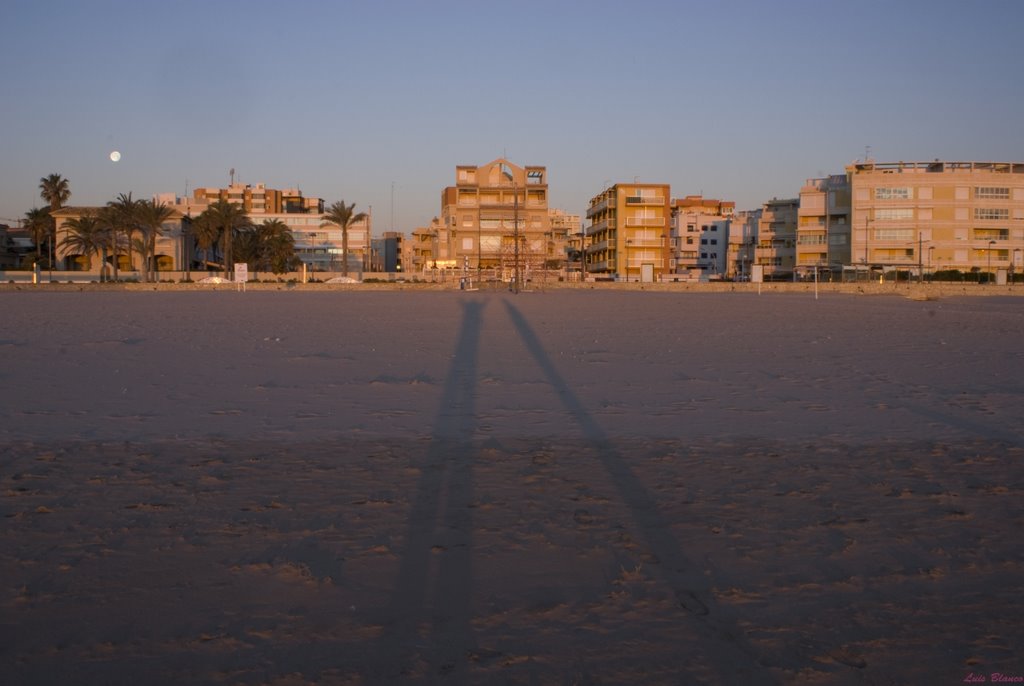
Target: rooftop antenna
x=867, y=153
x=232, y=172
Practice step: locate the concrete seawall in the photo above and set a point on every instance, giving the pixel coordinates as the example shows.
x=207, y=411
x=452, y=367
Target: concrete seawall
x=912, y=290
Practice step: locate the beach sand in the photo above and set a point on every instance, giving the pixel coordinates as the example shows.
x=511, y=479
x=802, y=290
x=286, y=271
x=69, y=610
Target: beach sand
x=565, y=487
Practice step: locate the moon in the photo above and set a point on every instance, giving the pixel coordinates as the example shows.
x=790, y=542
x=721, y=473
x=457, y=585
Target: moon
x=115, y=156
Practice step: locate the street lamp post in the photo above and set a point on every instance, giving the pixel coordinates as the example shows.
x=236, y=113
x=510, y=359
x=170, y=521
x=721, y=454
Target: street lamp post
x=583, y=254
x=988, y=272
x=867, y=276
x=507, y=171
x=515, y=228
x=625, y=257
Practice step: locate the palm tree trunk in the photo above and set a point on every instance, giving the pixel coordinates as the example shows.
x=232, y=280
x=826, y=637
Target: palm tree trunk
x=113, y=248
x=344, y=251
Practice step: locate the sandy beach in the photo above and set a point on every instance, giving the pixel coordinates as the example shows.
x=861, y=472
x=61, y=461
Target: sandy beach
x=563, y=487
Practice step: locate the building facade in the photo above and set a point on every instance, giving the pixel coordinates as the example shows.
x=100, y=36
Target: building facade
x=700, y=237
x=627, y=237
x=259, y=199
x=566, y=238
x=317, y=243
x=776, y=238
x=170, y=253
x=743, y=229
x=823, y=228
x=933, y=216
x=490, y=209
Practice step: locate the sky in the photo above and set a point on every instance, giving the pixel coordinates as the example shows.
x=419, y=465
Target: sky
x=375, y=102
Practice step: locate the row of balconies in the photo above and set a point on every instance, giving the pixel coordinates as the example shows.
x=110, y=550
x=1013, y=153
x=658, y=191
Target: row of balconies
x=600, y=207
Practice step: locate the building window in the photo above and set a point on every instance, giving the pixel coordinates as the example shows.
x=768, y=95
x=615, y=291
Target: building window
x=894, y=213
x=893, y=193
x=894, y=234
x=689, y=240
x=714, y=241
x=992, y=234
x=703, y=241
x=992, y=192
x=990, y=213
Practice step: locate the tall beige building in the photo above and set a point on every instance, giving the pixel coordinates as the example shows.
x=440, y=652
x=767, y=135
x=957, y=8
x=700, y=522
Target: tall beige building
x=628, y=234
x=776, y=238
x=479, y=215
x=823, y=229
x=933, y=216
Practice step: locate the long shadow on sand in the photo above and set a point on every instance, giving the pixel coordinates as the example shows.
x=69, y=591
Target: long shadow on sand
x=440, y=527
x=729, y=654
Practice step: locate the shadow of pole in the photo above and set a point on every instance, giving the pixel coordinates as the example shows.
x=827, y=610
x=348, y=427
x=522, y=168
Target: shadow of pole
x=691, y=588
x=440, y=525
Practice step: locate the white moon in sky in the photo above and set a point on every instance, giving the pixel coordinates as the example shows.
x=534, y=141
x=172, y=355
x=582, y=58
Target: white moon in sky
x=115, y=156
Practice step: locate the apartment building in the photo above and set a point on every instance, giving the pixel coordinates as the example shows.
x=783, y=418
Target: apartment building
x=823, y=228
x=566, y=237
x=387, y=252
x=700, y=237
x=489, y=208
x=776, y=238
x=258, y=199
x=628, y=232
x=743, y=228
x=933, y=216
x=317, y=244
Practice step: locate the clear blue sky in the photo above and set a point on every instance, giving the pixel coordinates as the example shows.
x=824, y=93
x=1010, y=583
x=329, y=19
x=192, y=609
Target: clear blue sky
x=739, y=99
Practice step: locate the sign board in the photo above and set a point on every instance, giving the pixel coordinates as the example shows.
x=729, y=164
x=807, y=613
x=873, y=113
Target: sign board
x=647, y=273
x=757, y=273
x=241, y=272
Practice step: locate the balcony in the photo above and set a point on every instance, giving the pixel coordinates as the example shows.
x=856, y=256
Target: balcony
x=645, y=199
x=645, y=221
x=601, y=207
x=600, y=226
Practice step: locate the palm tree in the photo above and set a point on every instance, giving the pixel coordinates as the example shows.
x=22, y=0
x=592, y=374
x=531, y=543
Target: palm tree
x=38, y=221
x=278, y=246
x=126, y=210
x=247, y=248
x=207, y=235
x=86, y=236
x=227, y=218
x=151, y=216
x=341, y=214
x=111, y=221
x=55, y=190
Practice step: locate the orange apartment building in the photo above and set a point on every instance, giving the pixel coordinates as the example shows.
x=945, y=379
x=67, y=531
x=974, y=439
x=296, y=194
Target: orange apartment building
x=627, y=237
